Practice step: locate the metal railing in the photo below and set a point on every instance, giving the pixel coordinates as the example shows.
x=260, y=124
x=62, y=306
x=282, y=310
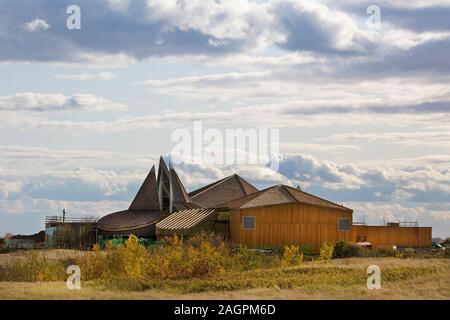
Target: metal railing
x=59, y=219
x=408, y=224
x=404, y=224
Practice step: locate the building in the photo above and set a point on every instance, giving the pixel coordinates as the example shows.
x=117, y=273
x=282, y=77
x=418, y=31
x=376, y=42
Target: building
x=236, y=210
x=140, y=218
x=19, y=241
x=282, y=215
x=70, y=232
x=163, y=207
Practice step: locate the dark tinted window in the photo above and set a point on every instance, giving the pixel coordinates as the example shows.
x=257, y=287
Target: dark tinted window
x=249, y=222
x=344, y=224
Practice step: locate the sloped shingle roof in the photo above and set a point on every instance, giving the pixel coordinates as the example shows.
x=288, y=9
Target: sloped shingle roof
x=221, y=191
x=278, y=195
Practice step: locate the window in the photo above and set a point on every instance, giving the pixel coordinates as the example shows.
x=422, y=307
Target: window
x=248, y=222
x=343, y=224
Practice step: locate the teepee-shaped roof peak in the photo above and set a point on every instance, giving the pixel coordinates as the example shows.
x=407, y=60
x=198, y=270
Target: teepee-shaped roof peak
x=179, y=193
x=147, y=196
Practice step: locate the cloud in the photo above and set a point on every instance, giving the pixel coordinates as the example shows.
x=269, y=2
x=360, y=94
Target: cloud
x=87, y=76
x=137, y=29
x=283, y=91
x=56, y=102
x=36, y=24
x=439, y=139
x=420, y=192
x=313, y=26
x=362, y=183
x=413, y=15
x=81, y=184
x=27, y=215
x=54, y=178
x=436, y=216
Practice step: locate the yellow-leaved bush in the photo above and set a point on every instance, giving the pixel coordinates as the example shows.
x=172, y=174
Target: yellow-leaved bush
x=292, y=256
x=326, y=252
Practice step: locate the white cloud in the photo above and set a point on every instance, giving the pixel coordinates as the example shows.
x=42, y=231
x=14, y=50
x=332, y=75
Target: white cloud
x=312, y=26
x=212, y=28
x=437, y=139
x=87, y=76
x=56, y=102
x=36, y=24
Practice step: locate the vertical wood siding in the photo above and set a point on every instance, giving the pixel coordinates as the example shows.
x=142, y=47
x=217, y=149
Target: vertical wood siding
x=298, y=224
x=414, y=237
x=302, y=224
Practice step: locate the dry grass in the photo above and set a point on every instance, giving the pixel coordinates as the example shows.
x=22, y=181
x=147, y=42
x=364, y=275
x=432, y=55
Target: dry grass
x=51, y=255
x=340, y=279
x=438, y=289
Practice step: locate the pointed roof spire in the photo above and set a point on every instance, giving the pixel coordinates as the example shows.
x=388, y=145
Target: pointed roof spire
x=162, y=170
x=179, y=193
x=147, y=196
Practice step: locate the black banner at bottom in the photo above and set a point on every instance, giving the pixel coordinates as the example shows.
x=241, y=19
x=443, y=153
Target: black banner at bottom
x=220, y=309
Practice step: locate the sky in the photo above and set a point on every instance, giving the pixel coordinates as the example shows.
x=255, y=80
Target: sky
x=361, y=102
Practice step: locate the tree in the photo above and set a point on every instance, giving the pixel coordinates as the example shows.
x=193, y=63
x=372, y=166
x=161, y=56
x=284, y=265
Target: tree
x=7, y=236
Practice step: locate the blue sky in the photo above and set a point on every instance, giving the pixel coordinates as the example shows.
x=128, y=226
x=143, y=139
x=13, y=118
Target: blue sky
x=363, y=113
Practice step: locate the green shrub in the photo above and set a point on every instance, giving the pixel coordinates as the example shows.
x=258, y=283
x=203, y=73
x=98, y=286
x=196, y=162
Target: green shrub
x=247, y=259
x=385, y=252
x=306, y=249
x=326, y=252
x=344, y=249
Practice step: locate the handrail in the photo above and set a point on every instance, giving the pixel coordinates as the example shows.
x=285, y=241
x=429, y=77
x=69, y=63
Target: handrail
x=59, y=219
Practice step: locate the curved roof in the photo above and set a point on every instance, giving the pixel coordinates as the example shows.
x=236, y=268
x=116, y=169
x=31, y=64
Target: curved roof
x=129, y=220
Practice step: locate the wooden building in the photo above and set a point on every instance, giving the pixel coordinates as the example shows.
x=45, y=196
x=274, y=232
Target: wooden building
x=272, y=217
x=282, y=215
x=388, y=236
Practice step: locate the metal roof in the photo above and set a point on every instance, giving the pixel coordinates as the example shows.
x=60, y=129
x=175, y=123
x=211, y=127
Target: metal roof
x=184, y=219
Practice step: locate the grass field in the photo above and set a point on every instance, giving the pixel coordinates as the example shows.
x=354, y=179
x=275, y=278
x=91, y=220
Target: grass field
x=412, y=278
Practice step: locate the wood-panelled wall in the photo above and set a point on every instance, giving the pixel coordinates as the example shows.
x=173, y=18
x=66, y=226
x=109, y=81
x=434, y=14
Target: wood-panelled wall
x=298, y=224
x=302, y=224
x=413, y=237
